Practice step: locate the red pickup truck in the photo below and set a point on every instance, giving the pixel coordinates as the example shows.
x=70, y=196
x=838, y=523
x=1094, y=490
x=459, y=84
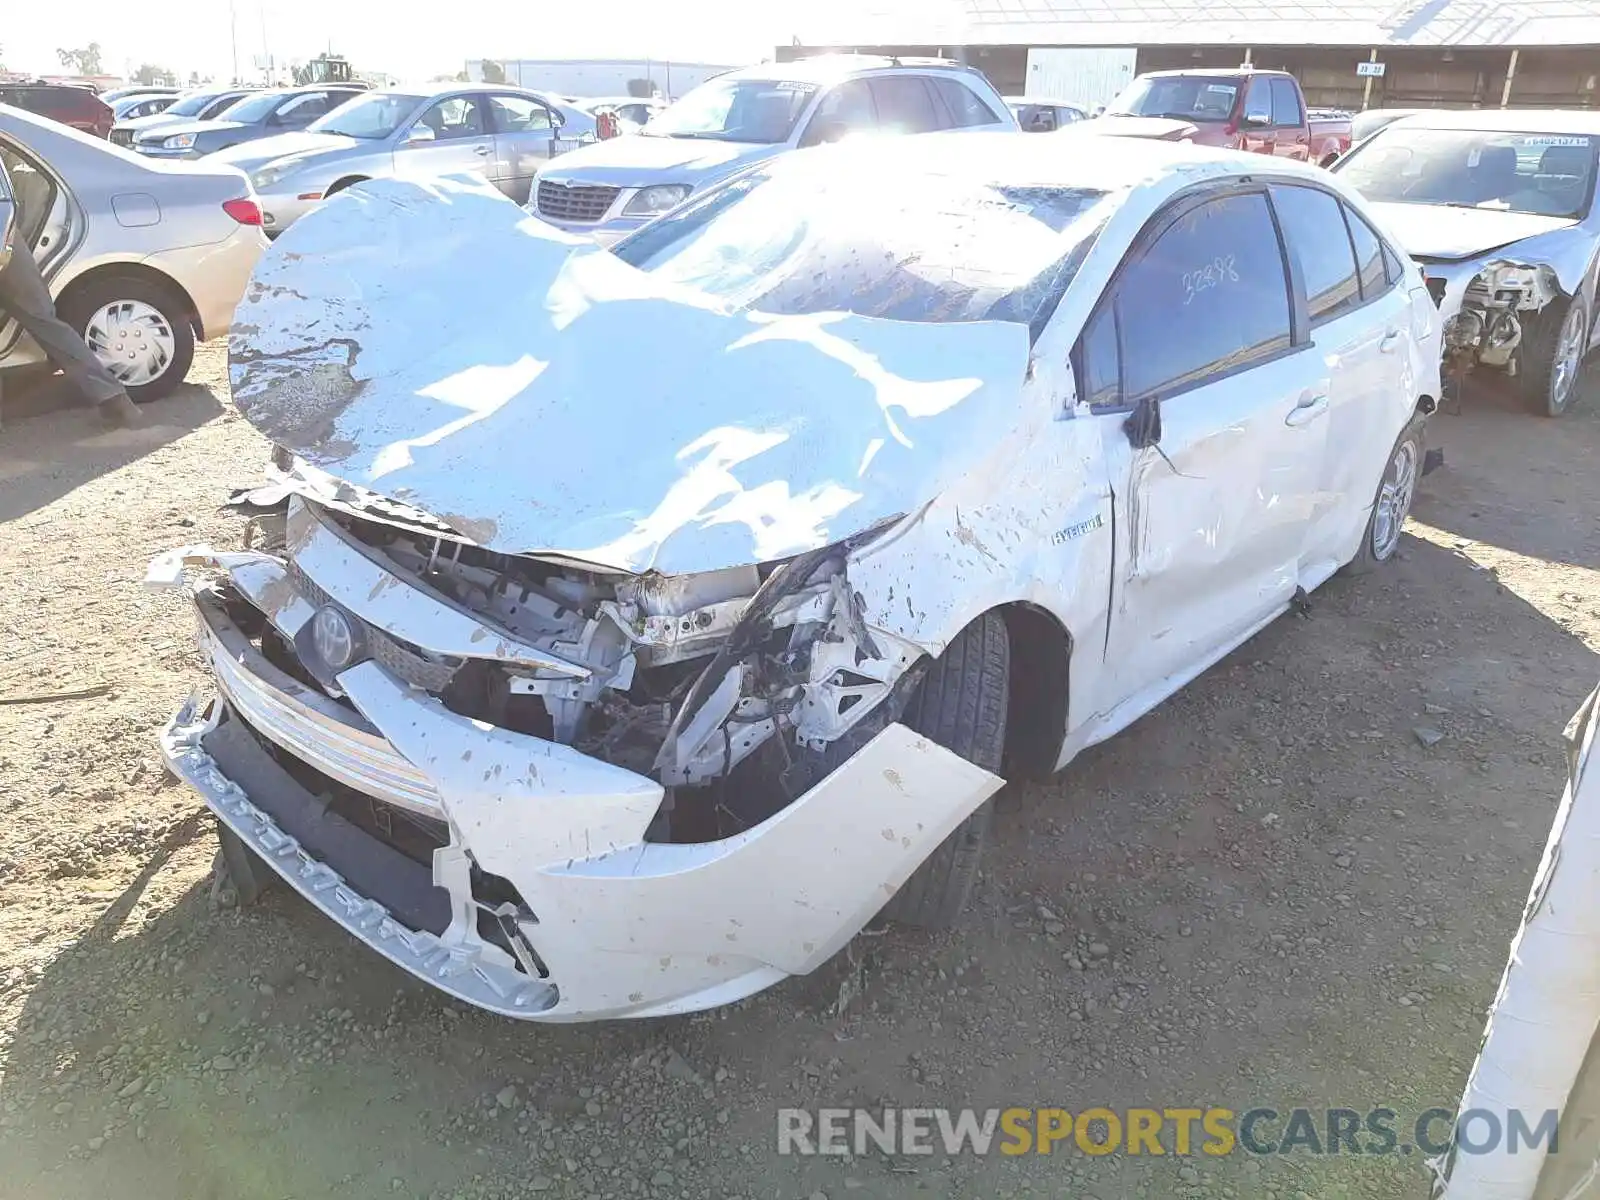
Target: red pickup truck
x=1244, y=109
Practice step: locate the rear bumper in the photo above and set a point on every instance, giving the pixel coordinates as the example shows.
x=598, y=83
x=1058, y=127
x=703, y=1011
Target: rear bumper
x=214, y=275
x=604, y=923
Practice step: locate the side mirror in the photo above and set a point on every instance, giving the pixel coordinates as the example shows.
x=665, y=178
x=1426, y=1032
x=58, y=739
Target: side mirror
x=419, y=133
x=1143, y=425
x=1258, y=119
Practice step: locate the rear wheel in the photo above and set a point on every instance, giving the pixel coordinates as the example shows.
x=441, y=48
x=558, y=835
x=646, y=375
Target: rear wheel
x=960, y=703
x=138, y=328
x=1392, y=504
x=1552, y=357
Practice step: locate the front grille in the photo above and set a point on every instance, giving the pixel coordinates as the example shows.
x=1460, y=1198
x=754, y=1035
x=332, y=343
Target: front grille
x=575, y=202
x=400, y=657
x=122, y=137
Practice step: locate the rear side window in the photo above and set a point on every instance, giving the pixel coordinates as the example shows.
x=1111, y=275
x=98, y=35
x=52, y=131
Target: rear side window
x=1369, y=256
x=1313, y=226
x=904, y=104
x=965, y=106
x=1285, y=103
x=1209, y=295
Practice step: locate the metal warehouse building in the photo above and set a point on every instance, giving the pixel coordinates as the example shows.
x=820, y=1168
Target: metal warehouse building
x=1346, y=53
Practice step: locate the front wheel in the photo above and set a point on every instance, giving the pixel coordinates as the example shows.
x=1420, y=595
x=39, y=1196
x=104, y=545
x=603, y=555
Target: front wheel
x=138, y=328
x=960, y=703
x=1390, y=507
x=1552, y=357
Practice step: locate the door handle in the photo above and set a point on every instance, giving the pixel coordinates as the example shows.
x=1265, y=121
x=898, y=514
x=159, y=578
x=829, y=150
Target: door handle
x=1391, y=342
x=1310, y=406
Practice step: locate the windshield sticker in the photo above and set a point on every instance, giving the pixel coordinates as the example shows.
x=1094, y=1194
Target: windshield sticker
x=1221, y=89
x=789, y=85
x=1218, y=271
x=1474, y=157
x=1551, y=140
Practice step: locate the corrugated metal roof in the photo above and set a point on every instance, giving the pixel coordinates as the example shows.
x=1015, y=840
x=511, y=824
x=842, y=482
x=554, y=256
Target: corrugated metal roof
x=1215, y=22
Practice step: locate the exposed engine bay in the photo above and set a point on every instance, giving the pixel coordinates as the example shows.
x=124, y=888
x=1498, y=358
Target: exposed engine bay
x=1497, y=307
x=728, y=687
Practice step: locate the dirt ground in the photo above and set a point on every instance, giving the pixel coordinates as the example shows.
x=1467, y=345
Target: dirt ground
x=1270, y=891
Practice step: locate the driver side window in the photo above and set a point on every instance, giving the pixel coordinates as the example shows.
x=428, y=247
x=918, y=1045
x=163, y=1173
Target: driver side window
x=457, y=117
x=518, y=114
x=1258, y=102
x=847, y=109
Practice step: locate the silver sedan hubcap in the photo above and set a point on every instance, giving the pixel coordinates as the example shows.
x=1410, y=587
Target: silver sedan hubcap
x=133, y=340
x=1394, y=500
x=1569, y=355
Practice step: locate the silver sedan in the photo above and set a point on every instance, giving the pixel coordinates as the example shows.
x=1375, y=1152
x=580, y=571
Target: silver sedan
x=503, y=133
x=143, y=258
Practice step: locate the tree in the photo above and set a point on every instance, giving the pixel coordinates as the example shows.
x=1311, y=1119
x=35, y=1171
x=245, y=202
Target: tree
x=151, y=75
x=82, y=62
x=493, y=72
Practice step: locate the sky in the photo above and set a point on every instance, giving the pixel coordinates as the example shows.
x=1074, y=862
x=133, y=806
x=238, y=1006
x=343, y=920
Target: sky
x=410, y=42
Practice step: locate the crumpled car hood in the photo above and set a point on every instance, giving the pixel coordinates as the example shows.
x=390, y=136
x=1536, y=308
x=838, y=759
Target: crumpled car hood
x=1440, y=231
x=431, y=342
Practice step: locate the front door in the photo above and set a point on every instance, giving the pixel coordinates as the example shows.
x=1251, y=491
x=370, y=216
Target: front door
x=523, y=130
x=1256, y=132
x=1291, y=134
x=1213, y=515
x=451, y=137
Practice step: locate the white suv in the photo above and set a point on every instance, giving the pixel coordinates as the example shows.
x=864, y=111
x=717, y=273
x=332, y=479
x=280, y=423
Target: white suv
x=745, y=117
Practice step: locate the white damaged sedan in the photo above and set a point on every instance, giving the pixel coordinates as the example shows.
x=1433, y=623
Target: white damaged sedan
x=631, y=627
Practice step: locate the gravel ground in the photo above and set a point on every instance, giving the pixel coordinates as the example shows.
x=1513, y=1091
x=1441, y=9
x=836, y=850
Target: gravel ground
x=1269, y=891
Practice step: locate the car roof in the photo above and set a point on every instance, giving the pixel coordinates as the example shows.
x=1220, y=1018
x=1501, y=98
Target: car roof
x=1509, y=120
x=1212, y=72
x=825, y=68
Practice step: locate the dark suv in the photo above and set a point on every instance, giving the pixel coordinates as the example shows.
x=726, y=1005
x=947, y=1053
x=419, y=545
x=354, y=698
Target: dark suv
x=75, y=106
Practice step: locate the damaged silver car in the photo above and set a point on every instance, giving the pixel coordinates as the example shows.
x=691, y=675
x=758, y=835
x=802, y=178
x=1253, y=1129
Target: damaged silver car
x=624, y=629
x=1499, y=209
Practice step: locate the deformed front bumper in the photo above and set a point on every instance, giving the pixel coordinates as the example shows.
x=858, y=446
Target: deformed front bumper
x=609, y=924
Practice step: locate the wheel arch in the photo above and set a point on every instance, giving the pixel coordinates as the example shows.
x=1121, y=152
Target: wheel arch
x=1041, y=662
x=339, y=185
x=133, y=270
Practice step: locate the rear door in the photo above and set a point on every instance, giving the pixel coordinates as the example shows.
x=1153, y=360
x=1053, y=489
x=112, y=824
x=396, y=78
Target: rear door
x=1201, y=326
x=522, y=129
x=460, y=142
x=1367, y=349
x=1291, y=134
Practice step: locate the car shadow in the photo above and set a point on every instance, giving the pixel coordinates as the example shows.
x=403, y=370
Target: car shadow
x=1515, y=479
x=62, y=443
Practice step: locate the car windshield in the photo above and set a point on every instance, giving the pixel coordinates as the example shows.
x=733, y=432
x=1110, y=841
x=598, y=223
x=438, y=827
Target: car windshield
x=877, y=244
x=1186, y=97
x=375, y=115
x=251, y=108
x=736, y=110
x=1546, y=174
x=191, y=105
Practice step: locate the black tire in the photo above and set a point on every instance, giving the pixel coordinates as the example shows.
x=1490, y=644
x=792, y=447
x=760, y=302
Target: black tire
x=1372, y=554
x=960, y=703
x=1541, y=346
x=81, y=304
